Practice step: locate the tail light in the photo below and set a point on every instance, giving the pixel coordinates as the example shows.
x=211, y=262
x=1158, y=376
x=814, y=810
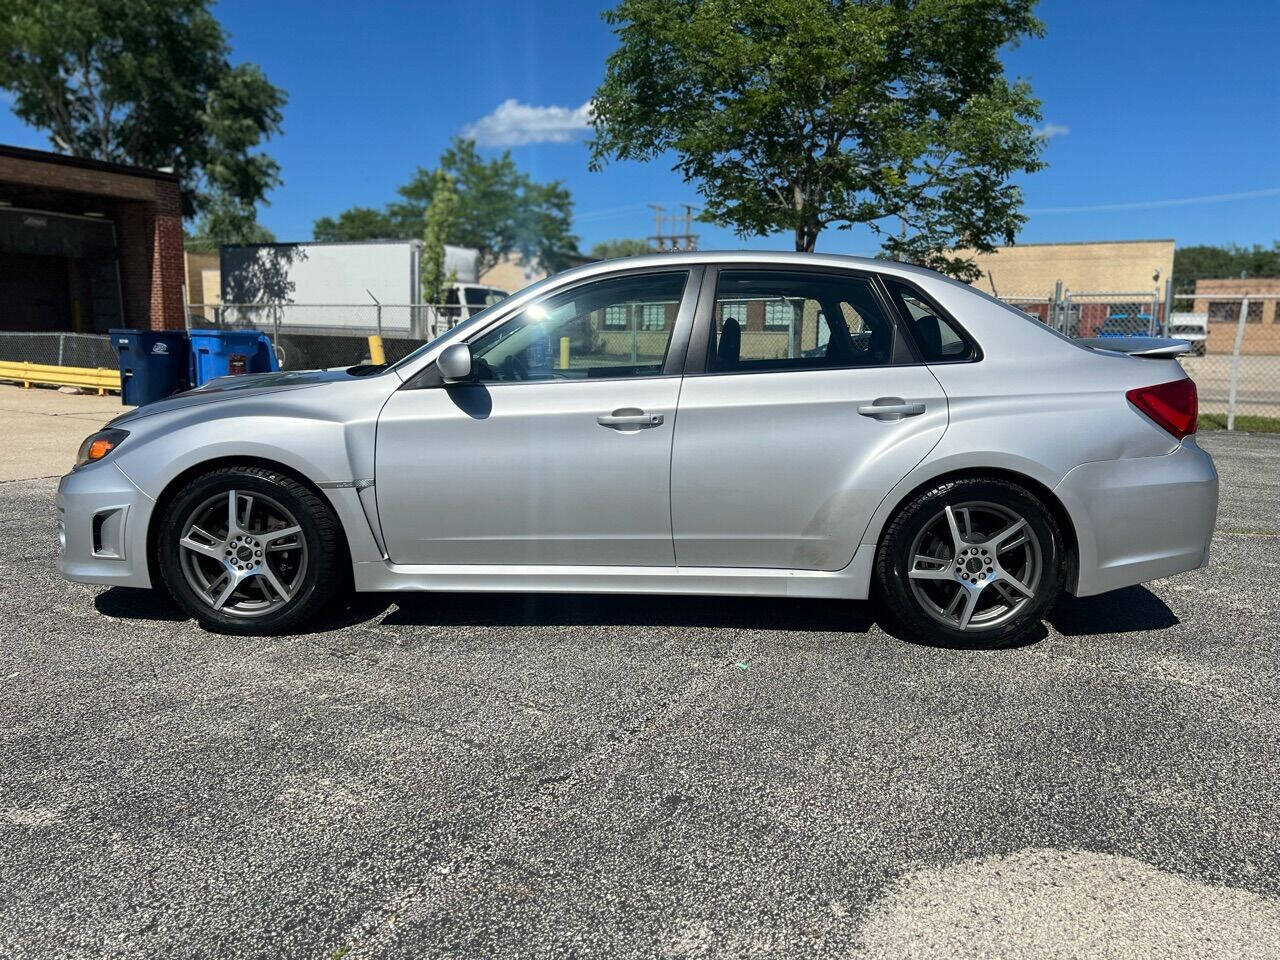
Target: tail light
x=1173, y=405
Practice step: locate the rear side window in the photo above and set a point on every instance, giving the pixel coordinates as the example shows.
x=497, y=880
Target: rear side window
x=770, y=320
x=936, y=337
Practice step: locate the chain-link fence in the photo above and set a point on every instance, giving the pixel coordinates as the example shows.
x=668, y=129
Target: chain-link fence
x=308, y=336
x=1236, y=365
x=1237, y=342
x=58, y=349
x=1235, y=337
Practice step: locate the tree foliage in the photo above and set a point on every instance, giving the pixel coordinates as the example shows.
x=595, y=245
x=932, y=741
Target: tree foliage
x=797, y=115
x=202, y=242
x=1199, y=262
x=500, y=211
x=621, y=247
x=147, y=83
x=441, y=221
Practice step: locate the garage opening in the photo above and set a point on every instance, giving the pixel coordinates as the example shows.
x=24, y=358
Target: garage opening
x=58, y=272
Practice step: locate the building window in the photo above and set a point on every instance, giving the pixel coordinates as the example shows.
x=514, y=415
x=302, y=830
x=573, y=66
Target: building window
x=615, y=317
x=1228, y=311
x=653, y=316
x=734, y=311
x=779, y=313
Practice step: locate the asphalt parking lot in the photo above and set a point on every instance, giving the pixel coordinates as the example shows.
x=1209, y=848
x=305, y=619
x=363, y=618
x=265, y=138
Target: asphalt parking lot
x=631, y=777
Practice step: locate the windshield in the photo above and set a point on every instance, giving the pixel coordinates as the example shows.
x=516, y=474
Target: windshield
x=476, y=319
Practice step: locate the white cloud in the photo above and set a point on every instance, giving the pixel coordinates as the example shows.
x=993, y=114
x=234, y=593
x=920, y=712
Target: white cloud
x=1051, y=130
x=514, y=123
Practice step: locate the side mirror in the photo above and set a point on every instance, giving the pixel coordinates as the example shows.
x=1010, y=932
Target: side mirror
x=454, y=362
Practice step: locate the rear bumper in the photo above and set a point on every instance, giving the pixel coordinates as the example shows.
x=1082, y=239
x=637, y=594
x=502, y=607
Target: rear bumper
x=102, y=527
x=1141, y=519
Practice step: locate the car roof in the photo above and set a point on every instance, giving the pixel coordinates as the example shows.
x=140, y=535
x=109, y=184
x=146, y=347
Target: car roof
x=786, y=258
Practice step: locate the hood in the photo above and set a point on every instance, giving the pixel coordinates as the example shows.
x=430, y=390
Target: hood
x=237, y=387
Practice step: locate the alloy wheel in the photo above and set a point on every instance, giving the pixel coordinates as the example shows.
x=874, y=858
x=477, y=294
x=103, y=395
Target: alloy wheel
x=243, y=553
x=975, y=566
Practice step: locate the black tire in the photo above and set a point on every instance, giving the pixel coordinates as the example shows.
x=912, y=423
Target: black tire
x=321, y=582
x=918, y=608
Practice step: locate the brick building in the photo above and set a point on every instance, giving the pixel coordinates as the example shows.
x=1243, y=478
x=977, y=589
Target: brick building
x=87, y=245
x=1262, y=322
x=1122, y=281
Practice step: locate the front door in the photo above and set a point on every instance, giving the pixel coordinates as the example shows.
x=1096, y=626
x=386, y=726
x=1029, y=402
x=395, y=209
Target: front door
x=559, y=451
x=809, y=407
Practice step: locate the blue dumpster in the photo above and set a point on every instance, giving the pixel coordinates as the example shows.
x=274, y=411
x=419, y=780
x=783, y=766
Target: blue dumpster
x=153, y=364
x=222, y=353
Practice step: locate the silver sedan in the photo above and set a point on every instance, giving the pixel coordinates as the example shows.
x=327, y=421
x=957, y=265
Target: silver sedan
x=721, y=424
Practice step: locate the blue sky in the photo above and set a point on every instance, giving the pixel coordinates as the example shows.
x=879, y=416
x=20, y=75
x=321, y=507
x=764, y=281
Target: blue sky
x=1153, y=105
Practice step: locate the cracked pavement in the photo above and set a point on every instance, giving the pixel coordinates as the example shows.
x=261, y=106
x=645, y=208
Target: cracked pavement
x=520, y=776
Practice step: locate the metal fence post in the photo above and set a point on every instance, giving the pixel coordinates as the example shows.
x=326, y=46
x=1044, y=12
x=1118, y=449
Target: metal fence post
x=1055, y=309
x=61, y=340
x=1235, y=363
x=635, y=333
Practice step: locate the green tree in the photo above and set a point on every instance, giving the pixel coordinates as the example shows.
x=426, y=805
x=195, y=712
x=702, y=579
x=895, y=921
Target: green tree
x=441, y=220
x=357, y=223
x=500, y=211
x=203, y=242
x=622, y=247
x=140, y=82
x=1193, y=263
x=797, y=115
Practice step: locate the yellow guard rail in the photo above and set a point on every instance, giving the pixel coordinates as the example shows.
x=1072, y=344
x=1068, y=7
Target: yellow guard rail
x=94, y=378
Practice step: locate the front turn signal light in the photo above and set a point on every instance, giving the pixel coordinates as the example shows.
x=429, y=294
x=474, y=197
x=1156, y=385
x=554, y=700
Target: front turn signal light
x=98, y=445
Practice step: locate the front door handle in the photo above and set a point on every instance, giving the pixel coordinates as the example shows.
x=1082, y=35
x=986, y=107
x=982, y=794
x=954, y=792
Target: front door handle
x=629, y=418
x=890, y=408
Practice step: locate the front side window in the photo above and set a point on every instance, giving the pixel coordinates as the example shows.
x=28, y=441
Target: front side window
x=616, y=327
x=788, y=320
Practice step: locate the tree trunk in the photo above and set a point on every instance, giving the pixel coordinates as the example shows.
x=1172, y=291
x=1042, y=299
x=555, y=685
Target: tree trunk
x=807, y=227
x=807, y=237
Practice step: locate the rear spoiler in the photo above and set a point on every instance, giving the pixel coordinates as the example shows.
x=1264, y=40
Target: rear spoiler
x=1158, y=348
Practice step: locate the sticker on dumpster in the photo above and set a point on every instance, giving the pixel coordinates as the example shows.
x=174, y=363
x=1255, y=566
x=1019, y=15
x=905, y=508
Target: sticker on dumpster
x=160, y=348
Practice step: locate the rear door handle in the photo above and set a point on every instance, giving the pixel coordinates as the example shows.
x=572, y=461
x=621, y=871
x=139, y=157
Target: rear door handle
x=629, y=418
x=891, y=408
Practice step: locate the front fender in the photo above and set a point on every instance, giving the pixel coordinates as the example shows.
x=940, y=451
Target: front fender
x=324, y=434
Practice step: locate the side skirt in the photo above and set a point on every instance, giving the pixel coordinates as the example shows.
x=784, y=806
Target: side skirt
x=851, y=583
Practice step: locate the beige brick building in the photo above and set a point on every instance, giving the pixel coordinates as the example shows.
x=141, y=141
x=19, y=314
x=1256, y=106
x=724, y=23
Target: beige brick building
x=1262, y=324
x=1033, y=269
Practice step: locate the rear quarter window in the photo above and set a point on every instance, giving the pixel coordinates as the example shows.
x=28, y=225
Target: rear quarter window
x=935, y=336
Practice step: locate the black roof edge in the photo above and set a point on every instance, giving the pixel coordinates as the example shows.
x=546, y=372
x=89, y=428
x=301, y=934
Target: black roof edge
x=84, y=163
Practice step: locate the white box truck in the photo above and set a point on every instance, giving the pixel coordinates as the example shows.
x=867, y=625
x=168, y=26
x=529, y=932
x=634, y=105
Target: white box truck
x=323, y=288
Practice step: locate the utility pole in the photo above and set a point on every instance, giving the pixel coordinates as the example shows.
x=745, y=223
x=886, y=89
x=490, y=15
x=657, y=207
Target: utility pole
x=656, y=241
x=662, y=241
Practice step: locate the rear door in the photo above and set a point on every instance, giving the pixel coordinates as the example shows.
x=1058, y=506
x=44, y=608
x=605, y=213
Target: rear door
x=802, y=405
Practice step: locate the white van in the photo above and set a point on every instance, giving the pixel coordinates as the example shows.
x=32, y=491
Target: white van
x=1192, y=327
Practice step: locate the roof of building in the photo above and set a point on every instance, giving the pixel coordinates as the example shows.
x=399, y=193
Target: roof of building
x=84, y=163
x=1086, y=243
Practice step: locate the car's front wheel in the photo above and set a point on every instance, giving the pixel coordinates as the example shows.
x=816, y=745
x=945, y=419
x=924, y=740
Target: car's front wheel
x=250, y=550
x=971, y=562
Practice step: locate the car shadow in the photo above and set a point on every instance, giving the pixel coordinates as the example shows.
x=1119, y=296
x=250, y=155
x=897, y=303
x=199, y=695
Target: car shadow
x=545, y=609
x=1128, y=610
x=578, y=610
x=134, y=603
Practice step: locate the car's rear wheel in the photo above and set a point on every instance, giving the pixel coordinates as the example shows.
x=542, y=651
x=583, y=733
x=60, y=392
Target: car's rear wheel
x=250, y=550
x=973, y=562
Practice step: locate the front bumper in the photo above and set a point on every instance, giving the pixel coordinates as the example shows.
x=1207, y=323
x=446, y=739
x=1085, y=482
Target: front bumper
x=102, y=527
x=1141, y=519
